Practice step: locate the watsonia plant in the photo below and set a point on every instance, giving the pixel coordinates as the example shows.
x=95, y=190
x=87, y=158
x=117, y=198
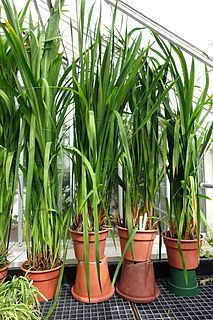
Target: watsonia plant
x=141, y=144
x=43, y=106
x=187, y=135
x=10, y=140
x=102, y=76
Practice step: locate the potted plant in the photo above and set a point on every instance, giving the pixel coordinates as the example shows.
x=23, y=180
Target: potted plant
x=18, y=300
x=187, y=136
x=140, y=155
x=43, y=106
x=102, y=78
x=10, y=147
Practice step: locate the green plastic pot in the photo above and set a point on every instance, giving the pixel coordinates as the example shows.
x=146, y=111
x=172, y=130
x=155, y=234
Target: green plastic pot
x=178, y=284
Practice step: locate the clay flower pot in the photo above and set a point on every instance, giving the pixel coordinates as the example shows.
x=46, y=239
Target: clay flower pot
x=46, y=281
x=177, y=281
x=137, y=282
x=78, y=242
x=3, y=272
x=143, y=243
x=79, y=290
x=189, y=249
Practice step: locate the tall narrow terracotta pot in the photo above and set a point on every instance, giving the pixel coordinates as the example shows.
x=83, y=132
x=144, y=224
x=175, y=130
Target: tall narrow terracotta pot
x=3, y=272
x=143, y=243
x=79, y=290
x=46, y=281
x=189, y=249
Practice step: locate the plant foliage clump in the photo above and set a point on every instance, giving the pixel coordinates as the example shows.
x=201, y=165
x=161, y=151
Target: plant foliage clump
x=43, y=107
x=18, y=300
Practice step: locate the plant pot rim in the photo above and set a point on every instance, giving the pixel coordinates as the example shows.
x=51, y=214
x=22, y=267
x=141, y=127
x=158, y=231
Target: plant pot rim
x=90, y=232
x=5, y=267
x=182, y=240
x=138, y=231
x=39, y=271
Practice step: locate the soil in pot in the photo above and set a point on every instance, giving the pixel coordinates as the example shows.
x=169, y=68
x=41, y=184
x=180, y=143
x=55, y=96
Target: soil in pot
x=143, y=244
x=46, y=281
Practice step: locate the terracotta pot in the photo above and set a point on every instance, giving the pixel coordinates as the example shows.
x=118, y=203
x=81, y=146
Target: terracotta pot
x=143, y=243
x=79, y=290
x=137, y=282
x=3, y=272
x=189, y=249
x=46, y=281
x=78, y=242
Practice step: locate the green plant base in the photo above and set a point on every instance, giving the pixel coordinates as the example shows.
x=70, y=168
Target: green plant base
x=178, y=285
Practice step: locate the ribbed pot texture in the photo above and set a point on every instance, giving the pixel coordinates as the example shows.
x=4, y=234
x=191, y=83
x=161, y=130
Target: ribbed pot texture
x=189, y=249
x=46, y=281
x=78, y=242
x=143, y=243
x=137, y=282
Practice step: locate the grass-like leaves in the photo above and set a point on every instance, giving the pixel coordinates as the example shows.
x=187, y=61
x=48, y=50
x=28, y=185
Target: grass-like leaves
x=10, y=141
x=141, y=144
x=102, y=77
x=43, y=107
x=187, y=136
x=18, y=300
